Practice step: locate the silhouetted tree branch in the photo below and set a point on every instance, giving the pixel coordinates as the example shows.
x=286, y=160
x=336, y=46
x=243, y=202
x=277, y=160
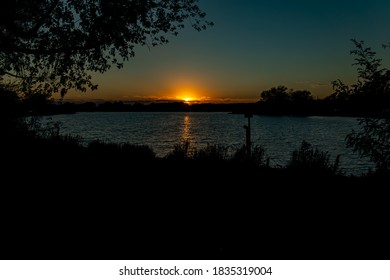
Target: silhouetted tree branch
x=372, y=95
x=54, y=45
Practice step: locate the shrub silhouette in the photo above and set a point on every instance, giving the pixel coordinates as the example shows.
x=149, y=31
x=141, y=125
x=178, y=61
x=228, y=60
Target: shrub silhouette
x=218, y=154
x=373, y=141
x=181, y=151
x=313, y=160
x=255, y=158
x=214, y=153
x=126, y=151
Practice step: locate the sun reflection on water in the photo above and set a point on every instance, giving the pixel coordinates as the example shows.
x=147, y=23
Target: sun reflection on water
x=186, y=129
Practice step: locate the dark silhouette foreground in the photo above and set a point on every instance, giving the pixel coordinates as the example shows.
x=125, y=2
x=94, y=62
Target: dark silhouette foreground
x=61, y=201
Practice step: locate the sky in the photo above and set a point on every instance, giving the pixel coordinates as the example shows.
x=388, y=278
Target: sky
x=253, y=46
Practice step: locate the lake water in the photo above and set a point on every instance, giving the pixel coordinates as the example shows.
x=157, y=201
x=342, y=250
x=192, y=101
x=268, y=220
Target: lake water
x=161, y=131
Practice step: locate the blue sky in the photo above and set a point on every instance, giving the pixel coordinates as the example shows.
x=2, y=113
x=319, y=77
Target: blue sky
x=254, y=45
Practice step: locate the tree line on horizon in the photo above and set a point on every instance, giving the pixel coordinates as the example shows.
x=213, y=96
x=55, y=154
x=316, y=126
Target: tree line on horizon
x=275, y=101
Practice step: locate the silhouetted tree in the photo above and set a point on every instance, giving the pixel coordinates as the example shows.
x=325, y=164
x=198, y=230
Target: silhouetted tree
x=373, y=141
x=11, y=108
x=300, y=96
x=281, y=100
x=372, y=94
x=340, y=100
x=53, y=45
x=275, y=95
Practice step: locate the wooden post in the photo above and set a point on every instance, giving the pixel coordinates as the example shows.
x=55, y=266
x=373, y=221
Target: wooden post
x=248, y=134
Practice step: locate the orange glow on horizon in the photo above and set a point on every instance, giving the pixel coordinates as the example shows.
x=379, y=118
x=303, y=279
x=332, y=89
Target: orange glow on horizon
x=188, y=96
x=187, y=99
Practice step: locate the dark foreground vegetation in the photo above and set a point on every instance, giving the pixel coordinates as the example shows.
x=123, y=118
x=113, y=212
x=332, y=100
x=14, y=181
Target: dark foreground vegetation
x=63, y=200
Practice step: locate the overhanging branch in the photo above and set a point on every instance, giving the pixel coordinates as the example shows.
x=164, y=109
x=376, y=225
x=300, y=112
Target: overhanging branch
x=43, y=18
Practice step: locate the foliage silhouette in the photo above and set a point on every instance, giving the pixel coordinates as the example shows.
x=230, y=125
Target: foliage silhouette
x=53, y=46
x=372, y=95
x=11, y=109
x=181, y=151
x=279, y=100
x=18, y=115
x=90, y=190
x=373, y=141
x=255, y=158
x=125, y=152
x=212, y=153
x=220, y=155
x=313, y=160
x=278, y=95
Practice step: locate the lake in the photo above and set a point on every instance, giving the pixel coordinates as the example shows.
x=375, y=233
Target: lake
x=161, y=131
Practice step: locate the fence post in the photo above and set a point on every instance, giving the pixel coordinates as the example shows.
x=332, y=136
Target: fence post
x=248, y=134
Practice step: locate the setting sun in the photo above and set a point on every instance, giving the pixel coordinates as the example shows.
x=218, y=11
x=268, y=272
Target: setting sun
x=187, y=99
x=187, y=96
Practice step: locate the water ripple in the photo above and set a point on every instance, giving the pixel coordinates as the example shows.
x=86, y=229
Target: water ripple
x=279, y=135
